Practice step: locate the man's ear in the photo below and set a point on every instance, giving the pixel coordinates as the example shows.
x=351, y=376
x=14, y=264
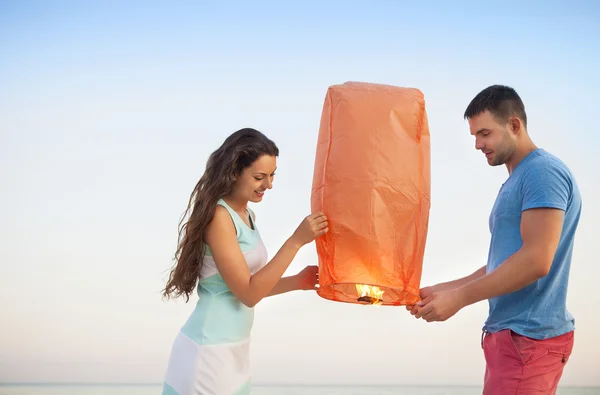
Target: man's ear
x=515, y=125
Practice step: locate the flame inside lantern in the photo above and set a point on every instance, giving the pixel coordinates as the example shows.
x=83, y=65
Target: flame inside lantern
x=369, y=294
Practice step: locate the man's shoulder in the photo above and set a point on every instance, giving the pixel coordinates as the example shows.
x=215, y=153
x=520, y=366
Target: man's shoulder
x=544, y=158
x=546, y=167
x=547, y=181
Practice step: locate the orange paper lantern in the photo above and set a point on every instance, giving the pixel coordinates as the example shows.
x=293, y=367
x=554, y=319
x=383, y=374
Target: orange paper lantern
x=372, y=181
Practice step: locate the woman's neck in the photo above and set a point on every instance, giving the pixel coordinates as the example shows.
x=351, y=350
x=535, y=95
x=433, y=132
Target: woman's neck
x=239, y=205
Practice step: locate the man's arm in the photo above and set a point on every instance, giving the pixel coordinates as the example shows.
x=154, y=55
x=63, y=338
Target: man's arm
x=450, y=285
x=540, y=232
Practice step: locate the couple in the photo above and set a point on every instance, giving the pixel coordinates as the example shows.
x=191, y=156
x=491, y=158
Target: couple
x=528, y=336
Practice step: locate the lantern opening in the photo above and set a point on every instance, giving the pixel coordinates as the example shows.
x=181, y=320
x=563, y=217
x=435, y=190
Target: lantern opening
x=378, y=295
x=369, y=294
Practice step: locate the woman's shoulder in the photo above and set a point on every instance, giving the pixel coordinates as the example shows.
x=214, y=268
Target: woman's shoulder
x=222, y=216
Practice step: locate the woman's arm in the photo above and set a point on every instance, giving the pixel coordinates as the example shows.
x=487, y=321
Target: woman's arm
x=307, y=279
x=250, y=289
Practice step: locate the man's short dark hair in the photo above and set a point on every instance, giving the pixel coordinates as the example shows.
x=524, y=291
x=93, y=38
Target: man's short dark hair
x=500, y=100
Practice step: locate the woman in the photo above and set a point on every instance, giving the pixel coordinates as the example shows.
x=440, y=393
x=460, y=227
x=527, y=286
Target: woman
x=220, y=248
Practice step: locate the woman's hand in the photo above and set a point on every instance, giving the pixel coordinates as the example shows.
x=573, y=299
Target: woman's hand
x=308, y=278
x=310, y=228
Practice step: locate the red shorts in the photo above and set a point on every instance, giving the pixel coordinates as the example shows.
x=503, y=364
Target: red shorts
x=520, y=365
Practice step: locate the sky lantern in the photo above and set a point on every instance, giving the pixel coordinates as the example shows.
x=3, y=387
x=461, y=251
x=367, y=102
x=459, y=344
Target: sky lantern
x=372, y=181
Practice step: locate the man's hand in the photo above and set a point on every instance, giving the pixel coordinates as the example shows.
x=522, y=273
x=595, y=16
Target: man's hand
x=440, y=306
x=424, y=293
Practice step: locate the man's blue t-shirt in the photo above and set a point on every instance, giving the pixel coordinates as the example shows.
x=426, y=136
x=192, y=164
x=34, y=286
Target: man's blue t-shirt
x=539, y=310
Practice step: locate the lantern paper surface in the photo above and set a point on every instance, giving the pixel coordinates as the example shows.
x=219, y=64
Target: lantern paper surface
x=372, y=181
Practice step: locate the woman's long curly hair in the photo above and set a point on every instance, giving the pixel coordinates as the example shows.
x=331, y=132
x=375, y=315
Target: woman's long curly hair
x=236, y=153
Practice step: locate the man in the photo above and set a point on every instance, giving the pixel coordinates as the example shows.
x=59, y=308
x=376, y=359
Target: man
x=528, y=335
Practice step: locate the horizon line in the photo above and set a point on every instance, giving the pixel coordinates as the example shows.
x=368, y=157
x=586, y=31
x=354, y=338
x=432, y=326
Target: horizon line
x=67, y=383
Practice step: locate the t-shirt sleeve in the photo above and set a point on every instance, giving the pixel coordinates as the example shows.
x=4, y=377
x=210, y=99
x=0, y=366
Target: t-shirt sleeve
x=546, y=185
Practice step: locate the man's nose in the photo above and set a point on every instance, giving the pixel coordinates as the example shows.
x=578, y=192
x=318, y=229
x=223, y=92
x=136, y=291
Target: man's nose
x=479, y=144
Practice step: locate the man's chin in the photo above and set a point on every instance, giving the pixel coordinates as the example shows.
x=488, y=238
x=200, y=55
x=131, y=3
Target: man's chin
x=494, y=161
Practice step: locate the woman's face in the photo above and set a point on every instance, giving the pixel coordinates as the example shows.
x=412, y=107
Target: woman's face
x=256, y=179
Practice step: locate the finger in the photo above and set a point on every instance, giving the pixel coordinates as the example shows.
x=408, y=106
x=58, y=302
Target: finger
x=430, y=317
x=424, y=310
x=414, y=310
x=409, y=307
x=322, y=225
x=425, y=301
x=322, y=232
x=317, y=223
x=319, y=219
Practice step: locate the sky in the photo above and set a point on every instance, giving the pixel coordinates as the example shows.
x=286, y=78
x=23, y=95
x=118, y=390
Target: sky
x=109, y=110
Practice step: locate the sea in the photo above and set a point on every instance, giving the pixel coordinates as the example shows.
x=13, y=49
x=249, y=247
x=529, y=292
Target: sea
x=155, y=389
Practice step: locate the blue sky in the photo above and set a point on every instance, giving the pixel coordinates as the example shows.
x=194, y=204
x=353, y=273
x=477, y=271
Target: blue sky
x=109, y=110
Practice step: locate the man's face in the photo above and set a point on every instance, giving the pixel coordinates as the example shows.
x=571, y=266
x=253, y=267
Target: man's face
x=492, y=138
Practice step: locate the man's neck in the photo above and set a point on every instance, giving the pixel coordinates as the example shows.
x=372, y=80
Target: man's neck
x=521, y=153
